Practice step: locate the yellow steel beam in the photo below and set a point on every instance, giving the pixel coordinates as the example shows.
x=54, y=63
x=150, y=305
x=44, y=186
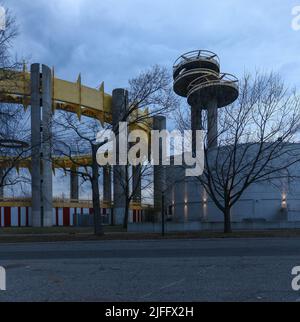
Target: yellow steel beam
x=57, y=203
x=15, y=88
x=58, y=162
x=72, y=97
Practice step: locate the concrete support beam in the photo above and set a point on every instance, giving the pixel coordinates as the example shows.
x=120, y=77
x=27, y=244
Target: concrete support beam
x=196, y=123
x=74, y=185
x=212, y=124
x=41, y=165
x=2, y=172
x=159, y=124
x=137, y=184
x=107, y=186
x=36, y=145
x=47, y=185
x=119, y=114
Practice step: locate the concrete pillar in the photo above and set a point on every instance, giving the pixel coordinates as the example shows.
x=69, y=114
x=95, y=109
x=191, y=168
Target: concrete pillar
x=107, y=187
x=159, y=124
x=212, y=124
x=2, y=171
x=41, y=164
x=196, y=123
x=119, y=111
x=74, y=185
x=36, y=145
x=137, y=184
x=47, y=185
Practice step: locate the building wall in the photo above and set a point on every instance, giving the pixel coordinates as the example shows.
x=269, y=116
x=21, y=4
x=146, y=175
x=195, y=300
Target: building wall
x=261, y=202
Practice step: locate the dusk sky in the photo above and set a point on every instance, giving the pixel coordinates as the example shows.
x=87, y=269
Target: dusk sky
x=113, y=40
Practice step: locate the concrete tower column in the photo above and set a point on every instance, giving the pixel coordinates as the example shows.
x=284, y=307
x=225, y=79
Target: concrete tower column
x=159, y=124
x=212, y=123
x=107, y=187
x=74, y=185
x=47, y=185
x=36, y=145
x=119, y=110
x=196, y=123
x=2, y=171
x=41, y=163
x=137, y=184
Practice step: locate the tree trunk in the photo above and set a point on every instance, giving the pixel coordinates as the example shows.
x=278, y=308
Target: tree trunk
x=98, y=228
x=227, y=220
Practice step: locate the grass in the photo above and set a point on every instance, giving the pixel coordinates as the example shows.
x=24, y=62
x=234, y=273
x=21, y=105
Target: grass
x=57, y=234
x=56, y=230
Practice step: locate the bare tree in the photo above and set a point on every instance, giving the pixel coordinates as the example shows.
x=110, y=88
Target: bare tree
x=256, y=141
x=151, y=90
x=7, y=36
x=14, y=130
x=74, y=139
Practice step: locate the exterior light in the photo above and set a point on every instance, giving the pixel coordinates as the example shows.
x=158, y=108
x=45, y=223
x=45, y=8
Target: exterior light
x=284, y=201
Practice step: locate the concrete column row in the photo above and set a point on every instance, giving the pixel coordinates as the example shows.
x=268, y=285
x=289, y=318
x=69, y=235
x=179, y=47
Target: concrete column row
x=41, y=169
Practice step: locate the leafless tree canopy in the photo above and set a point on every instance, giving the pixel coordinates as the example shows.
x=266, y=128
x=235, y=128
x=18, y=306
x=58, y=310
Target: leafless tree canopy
x=13, y=119
x=7, y=37
x=151, y=89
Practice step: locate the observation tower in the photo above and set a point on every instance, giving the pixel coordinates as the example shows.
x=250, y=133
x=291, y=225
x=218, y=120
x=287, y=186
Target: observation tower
x=197, y=76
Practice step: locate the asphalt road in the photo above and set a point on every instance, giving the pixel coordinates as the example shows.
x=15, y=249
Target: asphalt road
x=171, y=270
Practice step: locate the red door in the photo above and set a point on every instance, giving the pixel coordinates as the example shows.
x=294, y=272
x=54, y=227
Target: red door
x=7, y=216
x=66, y=217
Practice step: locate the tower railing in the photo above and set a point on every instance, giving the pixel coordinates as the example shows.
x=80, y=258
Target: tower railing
x=195, y=55
x=204, y=81
x=202, y=71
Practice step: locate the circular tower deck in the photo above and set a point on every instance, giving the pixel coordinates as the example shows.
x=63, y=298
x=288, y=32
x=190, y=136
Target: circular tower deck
x=197, y=76
x=224, y=90
x=191, y=66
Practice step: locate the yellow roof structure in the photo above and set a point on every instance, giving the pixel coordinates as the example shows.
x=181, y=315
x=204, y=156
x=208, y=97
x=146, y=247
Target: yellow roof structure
x=57, y=162
x=15, y=88
x=61, y=203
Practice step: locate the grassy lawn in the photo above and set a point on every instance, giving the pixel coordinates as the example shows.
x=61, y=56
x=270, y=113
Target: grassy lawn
x=56, y=230
x=56, y=234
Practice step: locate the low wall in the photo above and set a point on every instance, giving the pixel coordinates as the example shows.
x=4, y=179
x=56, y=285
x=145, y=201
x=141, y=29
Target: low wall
x=217, y=227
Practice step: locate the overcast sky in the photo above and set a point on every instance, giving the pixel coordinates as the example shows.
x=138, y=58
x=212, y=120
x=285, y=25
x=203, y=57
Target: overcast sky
x=112, y=40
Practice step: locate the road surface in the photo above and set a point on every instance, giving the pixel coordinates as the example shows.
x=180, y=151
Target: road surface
x=170, y=270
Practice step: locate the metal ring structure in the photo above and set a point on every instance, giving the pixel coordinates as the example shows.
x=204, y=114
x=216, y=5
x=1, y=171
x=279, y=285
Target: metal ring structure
x=191, y=66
